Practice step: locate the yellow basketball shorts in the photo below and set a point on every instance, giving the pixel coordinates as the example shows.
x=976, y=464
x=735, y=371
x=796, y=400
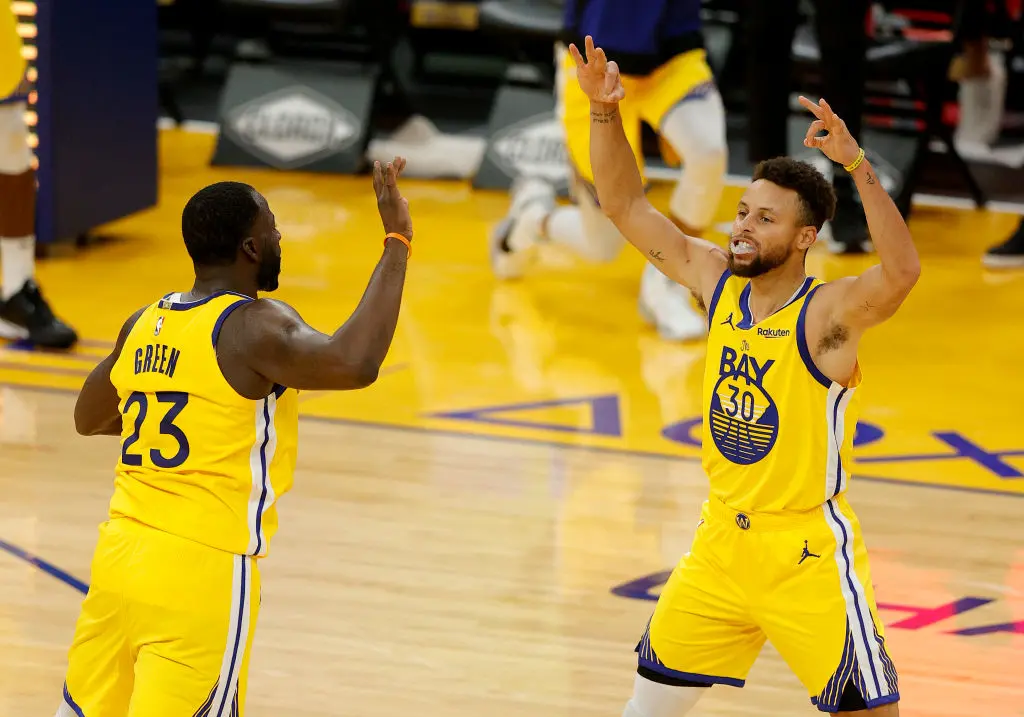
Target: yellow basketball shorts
x=801, y=582
x=165, y=629
x=648, y=99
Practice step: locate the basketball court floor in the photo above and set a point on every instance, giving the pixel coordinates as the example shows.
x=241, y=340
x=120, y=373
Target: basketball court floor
x=484, y=530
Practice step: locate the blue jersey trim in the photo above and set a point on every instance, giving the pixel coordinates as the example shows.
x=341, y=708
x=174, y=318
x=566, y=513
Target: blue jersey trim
x=801, y=341
x=717, y=295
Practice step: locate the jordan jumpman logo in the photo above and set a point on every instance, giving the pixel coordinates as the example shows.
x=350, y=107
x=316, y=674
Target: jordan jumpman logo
x=807, y=554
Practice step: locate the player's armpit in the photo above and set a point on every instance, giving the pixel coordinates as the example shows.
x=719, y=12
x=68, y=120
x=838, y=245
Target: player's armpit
x=869, y=299
x=97, y=408
x=695, y=263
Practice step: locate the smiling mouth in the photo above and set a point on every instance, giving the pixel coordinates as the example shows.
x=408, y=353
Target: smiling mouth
x=742, y=247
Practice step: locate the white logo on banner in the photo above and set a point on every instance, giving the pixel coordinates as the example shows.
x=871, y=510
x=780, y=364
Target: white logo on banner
x=292, y=127
x=535, y=147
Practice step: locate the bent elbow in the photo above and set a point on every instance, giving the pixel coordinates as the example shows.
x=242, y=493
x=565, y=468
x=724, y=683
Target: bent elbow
x=367, y=375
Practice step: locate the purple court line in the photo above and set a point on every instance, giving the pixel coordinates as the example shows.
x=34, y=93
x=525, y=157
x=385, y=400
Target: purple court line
x=47, y=567
x=362, y=423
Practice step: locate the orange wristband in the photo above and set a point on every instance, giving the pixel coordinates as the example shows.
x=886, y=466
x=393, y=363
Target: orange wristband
x=399, y=237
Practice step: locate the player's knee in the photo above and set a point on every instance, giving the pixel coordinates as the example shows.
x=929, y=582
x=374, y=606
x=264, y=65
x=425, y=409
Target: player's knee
x=696, y=130
x=655, y=699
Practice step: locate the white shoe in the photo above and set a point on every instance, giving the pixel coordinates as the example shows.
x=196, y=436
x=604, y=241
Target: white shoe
x=668, y=307
x=514, y=237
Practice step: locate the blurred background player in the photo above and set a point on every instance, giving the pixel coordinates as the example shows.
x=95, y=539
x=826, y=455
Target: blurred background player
x=24, y=313
x=660, y=48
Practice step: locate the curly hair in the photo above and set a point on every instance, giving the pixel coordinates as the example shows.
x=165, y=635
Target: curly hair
x=817, y=197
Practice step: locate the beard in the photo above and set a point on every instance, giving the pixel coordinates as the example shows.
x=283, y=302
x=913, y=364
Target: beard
x=268, y=272
x=760, y=264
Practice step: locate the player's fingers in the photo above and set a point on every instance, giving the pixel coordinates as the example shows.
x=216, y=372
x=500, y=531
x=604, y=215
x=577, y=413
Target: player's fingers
x=377, y=179
x=576, y=56
x=815, y=127
x=399, y=166
x=588, y=43
x=809, y=105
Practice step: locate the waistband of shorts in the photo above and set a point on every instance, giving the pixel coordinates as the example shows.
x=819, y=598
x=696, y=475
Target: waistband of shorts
x=763, y=522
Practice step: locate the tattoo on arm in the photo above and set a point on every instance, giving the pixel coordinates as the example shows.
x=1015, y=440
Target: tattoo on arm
x=603, y=117
x=657, y=255
x=869, y=179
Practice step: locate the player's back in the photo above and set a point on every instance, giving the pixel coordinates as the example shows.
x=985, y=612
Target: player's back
x=12, y=66
x=198, y=460
x=778, y=434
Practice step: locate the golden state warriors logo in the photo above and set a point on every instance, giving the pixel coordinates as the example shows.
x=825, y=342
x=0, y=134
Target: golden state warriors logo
x=744, y=419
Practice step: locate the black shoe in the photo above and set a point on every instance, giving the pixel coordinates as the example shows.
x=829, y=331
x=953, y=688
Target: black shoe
x=1009, y=254
x=26, y=315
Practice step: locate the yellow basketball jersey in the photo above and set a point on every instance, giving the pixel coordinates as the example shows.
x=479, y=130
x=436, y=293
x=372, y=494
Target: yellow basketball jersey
x=12, y=65
x=777, y=434
x=197, y=459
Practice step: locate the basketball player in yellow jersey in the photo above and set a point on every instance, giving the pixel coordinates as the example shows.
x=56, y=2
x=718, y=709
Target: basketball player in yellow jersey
x=201, y=386
x=778, y=554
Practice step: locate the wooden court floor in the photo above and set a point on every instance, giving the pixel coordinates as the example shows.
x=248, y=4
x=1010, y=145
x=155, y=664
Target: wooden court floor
x=483, y=531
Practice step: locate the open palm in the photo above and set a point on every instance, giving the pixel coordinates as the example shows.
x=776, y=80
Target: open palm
x=599, y=79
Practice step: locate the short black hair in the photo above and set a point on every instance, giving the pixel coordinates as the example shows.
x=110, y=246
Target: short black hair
x=216, y=220
x=817, y=197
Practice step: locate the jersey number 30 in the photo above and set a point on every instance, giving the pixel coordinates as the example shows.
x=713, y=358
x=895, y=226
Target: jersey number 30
x=177, y=402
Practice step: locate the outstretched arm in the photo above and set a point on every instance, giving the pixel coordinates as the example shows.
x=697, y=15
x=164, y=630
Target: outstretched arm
x=97, y=410
x=277, y=344
x=692, y=262
x=874, y=296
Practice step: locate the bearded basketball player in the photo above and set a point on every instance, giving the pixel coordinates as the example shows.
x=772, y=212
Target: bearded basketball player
x=202, y=386
x=778, y=554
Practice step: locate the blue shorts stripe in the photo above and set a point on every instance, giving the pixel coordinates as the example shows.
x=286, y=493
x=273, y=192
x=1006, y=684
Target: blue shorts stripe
x=646, y=657
x=239, y=637
x=71, y=703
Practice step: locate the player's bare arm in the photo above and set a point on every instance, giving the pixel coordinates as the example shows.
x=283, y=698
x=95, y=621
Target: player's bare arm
x=845, y=308
x=694, y=263
x=266, y=342
x=97, y=410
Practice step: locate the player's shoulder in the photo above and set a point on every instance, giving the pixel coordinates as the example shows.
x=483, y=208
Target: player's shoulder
x=266, y=310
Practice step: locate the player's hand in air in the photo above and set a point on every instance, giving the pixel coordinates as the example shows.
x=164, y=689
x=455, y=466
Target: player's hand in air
x=837, y=144
x=393, y=207
x=599, y=79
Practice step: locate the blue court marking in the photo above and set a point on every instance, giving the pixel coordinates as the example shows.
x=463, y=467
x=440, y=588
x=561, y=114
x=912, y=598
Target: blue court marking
x=47, y=567
x=559, y=444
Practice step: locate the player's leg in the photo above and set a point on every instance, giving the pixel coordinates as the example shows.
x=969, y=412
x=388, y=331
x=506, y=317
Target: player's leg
x=701, y=632
x=192, y=613
x=822, y=616
x=100, y=673
x=534, y=216
x=24, y=313
x=680, y=100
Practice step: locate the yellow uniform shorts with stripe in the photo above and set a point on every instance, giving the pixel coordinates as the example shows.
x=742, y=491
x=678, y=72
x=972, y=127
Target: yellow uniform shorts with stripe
x=801, y=582
x=165, y=629
x=648, y=98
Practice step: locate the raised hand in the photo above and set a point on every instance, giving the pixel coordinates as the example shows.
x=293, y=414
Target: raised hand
x=599, y=79
x=838, y=144
x=393, y=207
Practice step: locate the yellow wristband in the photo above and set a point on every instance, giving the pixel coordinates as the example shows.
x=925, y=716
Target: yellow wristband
x=856, y=163
x=399, y=237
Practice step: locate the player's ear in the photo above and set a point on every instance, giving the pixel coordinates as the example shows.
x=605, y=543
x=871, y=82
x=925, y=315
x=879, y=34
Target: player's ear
x=249, y=249
x=806, y=238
